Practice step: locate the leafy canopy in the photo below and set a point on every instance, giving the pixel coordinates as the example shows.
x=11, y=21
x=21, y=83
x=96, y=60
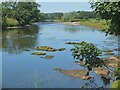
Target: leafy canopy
x=109, y=11
x=24, y=12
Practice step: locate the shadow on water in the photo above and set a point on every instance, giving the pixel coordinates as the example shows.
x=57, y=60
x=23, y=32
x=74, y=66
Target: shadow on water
x=14, y=41
x=75, y=29
x=106, y=80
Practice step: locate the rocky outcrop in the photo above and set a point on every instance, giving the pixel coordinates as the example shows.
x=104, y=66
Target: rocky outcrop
x=101, y=71
x=75, y=73
x=38, y=53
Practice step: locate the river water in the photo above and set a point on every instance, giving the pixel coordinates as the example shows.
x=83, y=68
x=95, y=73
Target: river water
x=23, y=70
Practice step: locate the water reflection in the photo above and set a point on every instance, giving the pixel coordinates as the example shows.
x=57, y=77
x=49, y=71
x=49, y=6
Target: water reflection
x=14, y=41
x=71, y=29
x=74, y=29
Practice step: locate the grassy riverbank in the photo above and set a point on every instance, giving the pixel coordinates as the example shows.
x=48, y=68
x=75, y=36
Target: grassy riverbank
x=94, y=23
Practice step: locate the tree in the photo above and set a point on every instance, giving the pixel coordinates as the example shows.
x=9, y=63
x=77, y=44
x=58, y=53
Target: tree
x=109, y=11
x=6, y=11
x=24, y=12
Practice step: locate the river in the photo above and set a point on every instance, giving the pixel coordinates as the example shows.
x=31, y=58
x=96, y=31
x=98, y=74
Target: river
x=23, y=70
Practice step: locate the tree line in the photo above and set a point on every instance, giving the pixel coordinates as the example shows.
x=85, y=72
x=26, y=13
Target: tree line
x=70, y=16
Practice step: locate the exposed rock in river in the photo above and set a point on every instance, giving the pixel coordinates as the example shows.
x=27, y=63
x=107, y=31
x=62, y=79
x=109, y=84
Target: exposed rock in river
x=46, y=48
x=47, y=56
x=112, y=61
x=61, y=49
x=76, y=73
x=72, y=43
x=117, y=49
x=109, y=53
x=108, y=50
x=38, y=53
x=49, y=49
x=27, y=50
x=101, y=71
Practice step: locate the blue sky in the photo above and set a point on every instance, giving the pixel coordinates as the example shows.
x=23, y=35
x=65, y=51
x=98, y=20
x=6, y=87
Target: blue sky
x=50, y=7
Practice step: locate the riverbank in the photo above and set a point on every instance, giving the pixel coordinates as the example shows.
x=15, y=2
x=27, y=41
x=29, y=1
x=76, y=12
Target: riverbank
x=94, y=23
x=99, y=24
x=13, y=24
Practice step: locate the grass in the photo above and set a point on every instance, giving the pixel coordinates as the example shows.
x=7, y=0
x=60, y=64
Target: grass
x=94, y=23
x=116, y=84
x=11, y=22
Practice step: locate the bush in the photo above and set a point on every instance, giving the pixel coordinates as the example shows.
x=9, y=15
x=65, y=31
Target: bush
x=11, y=22
x=116, y=84
x=87, y=52
x=116, y=73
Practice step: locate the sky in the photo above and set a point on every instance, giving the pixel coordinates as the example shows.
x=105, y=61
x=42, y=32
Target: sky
x=50, y=7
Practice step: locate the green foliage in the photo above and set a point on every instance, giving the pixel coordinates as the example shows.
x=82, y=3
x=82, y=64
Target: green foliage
x=116, y=73
x=54, y=16
x=116, y=84
x=87, y=52
x=109, y=11
x=95, y=23
x=42, y=16
x=24, y=12
x=71, y=16
x=11, y=22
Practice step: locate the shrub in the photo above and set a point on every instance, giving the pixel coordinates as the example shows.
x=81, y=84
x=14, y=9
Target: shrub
x=87, y=52
x=116, y=84
x=116, y=73
x=11, y=22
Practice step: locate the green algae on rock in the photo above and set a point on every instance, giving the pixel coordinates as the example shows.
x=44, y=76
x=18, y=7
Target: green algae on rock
x=49, y=49
x=38, y=53
x=46, y=48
